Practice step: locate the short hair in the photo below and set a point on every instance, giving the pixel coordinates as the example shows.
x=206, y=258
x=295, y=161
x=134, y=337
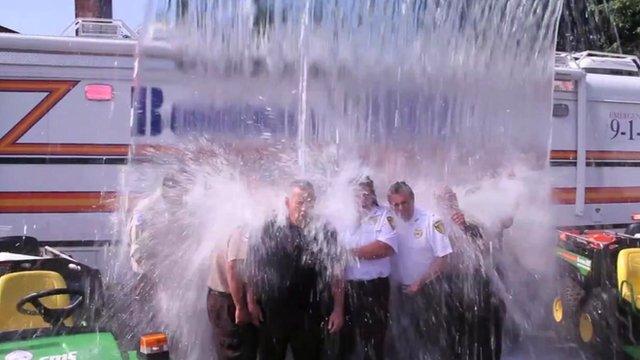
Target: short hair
x=365, y=181
x=401, y=187
x=302, y=184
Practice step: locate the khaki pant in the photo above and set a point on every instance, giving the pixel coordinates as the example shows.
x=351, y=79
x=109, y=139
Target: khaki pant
x=231, y=341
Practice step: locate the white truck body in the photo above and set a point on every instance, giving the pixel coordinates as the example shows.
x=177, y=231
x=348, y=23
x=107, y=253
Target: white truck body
x=595, y=145
x=62, y=154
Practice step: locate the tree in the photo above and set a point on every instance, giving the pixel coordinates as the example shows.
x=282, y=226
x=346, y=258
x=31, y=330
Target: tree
x=604, y=25
x=626, y=18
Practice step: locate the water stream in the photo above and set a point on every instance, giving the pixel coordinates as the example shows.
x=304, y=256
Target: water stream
x=238, y=97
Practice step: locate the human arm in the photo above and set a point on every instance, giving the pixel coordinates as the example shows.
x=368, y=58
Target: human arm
x=336, y=319
x=236, y=254
x=374, y=250
x=252, y=306
x=385, y=244
x=135, y=242
x=237, y=290
x=256, y=262
x=431, y=273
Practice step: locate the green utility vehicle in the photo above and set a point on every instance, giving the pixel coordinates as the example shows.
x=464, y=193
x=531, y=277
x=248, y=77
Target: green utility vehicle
x=50, y=307
x=598, y=299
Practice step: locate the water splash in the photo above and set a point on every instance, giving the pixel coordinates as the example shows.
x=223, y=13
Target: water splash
x=257, y=92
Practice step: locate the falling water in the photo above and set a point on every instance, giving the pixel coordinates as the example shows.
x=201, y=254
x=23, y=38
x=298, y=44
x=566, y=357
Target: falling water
x=242, y=96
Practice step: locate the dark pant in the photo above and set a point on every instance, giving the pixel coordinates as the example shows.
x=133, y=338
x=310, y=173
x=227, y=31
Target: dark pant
x=231, y=341
x=366, y=318
x=302, y=331
x=419, y=324
x=475, y=316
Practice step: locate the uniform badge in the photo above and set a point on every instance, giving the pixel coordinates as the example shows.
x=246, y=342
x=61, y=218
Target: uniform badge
x=439, y=226
x=418, y=233
x=391, y=223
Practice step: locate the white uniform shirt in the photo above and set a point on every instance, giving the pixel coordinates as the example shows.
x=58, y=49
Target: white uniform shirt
x=419, y=244
x=377, y=225
x=143, y=228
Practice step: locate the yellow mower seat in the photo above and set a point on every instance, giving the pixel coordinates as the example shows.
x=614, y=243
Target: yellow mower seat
x=15, y=286
x=629, y=275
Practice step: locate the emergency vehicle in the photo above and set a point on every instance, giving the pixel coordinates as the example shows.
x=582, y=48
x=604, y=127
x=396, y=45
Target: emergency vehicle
x=65, y=105
x=69, y=111
x=594, y=163
x=595, y=151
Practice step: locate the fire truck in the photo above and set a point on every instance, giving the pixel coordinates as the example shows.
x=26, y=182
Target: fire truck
x=69, y=111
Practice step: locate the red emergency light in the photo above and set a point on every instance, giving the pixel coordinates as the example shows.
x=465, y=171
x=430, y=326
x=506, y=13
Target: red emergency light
x=98, y=92
x=635, y=217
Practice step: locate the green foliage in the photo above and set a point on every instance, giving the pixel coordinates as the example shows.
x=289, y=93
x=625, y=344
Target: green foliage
x=626, y=18
x=604, y=25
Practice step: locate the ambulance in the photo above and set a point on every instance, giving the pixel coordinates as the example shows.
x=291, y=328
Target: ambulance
x=69, y=110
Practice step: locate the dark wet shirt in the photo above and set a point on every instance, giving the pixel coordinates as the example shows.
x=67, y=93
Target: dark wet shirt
x=290, y=268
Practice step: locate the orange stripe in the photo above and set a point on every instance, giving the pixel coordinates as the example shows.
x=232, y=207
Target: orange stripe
x=56, y=89
x=30, y=85
x=88, y=149
x=598, y=195
x=58, y=202
x=596, y=155
x=66, y=149
x=569, y=257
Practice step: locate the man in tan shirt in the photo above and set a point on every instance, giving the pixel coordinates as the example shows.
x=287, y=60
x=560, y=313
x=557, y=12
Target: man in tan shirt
x=235, y=337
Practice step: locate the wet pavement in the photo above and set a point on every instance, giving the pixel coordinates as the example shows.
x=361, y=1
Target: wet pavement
x=545, y=346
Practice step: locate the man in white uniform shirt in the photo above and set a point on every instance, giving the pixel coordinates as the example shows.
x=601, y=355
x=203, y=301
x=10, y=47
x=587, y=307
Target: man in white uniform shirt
x=371, y=243
x=421, y=257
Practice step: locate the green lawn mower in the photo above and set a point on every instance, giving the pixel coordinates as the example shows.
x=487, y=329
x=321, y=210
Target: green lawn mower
x=597, y=303
x=50, y=307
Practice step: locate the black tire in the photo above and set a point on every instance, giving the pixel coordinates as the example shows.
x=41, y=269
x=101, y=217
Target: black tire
x=570, y=295
x=600, y=342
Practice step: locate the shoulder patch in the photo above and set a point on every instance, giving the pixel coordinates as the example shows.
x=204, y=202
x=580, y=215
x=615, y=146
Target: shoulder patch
x=439, y=226
x=391, y=222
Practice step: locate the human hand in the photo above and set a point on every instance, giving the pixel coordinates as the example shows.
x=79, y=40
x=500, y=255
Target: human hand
x=243, y=316
x=413, y=288
x=458, y=219
x=336, y=320
x=256, y=315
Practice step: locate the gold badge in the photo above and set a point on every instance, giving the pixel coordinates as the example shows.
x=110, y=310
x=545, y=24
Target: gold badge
x=418, y=233
x=439, y=226
x=390, y=221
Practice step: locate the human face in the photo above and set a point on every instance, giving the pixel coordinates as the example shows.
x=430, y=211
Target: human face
x=299, y=204
x=402, y=204
x=365, y=197
x=172, y=192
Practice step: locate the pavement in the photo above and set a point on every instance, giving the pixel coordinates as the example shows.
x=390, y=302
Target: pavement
x=545, y=346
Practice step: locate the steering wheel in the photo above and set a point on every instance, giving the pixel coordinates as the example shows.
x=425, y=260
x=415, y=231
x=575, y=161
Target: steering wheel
x=52, y=316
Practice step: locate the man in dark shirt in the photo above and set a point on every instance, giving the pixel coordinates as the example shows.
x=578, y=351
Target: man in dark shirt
x=294, y=268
